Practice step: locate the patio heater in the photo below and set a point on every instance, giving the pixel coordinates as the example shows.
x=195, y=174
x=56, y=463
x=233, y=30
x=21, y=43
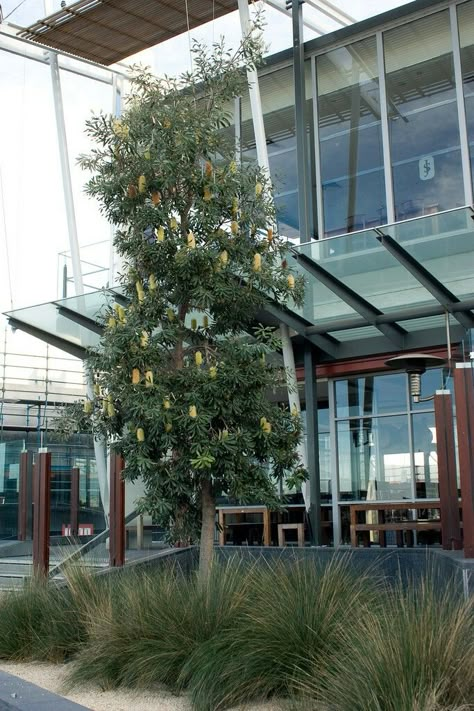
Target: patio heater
x=415, y=364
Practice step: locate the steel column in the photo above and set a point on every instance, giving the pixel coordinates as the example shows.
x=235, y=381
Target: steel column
x=464, y=393
x=448, y=494
x=25, y=519
x=41, y=513
x=312, y=444
x=305, y=211
x=117, y=512
x=75, y=474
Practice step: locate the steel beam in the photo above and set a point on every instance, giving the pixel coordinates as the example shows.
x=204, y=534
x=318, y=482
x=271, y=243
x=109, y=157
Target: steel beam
x=312, y=444
x=393, y=332
x=440, y=292
x=446, y=453
x=56, y=341
x=464, y=393
x=326, y=343
x=78, y=318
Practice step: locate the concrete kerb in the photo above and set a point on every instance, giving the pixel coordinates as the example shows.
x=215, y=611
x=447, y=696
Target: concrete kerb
x=19, y=695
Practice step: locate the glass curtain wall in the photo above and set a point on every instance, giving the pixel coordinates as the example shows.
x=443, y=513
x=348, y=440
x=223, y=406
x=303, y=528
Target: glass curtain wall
x=423, y=117
x=278, y=106
x=350, y=138
x=386, y=444
x=466, y=41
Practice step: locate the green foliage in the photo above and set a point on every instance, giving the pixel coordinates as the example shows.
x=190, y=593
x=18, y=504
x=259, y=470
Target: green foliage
x=182, y=374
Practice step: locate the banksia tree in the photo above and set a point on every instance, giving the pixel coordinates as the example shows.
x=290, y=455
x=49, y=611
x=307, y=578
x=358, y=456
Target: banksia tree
x=183, y=368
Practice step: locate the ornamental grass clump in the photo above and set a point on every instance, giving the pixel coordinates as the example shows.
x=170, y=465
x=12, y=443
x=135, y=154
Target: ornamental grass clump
x=145, y=630
x=45, y=621
x=296, y=613
x=415, y=652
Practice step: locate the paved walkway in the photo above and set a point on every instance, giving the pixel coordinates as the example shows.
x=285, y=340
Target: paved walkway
x=19, y=695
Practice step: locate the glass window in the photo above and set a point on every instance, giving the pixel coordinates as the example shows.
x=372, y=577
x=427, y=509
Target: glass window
x=371, y=395
x=374, y=459
x=278, y=105
x=350, y=138
x=425, y=455
x=423, y=117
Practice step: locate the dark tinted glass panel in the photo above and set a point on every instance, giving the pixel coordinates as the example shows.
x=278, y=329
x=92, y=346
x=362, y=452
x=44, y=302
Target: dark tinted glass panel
x=371, y=395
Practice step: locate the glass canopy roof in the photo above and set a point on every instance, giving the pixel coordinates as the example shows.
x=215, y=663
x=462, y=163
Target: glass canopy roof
x=391, y=288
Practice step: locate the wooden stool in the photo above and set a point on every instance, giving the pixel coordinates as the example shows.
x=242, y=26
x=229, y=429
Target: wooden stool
x=282, y=527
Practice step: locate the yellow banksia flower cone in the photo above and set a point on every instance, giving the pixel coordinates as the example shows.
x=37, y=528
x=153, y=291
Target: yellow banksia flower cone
x=263, y=359
x=166, y=404
x=156, y=197
x=135, y=376
x=96, y=389
x=290, y=280
x=168, y=426
x=121, y=314
x=87, y=406
x=160, y=233
x=148, y=378
x=140, y=434
x=198, y=358
x=105, y=407
x=170, y=314
x=233, y=167
x=205, y=322
x=213, y=372
x=173, y=223
x=257, y=262
x=111, y=322
x=120, y=129
x=294, y=411
x=191, y=240
x=192, y=411
x=147, y=155
x=235, y=205
x=141, y=184
x=140, y=292
x=224, y=257
x=144, y=339
x=207, y=197
x=270, y=235
x=234, y=227
x=194, y=324
x=208, y=168
x=152, y=282
x=110, y=409
x=258, y=189
x=265, y=425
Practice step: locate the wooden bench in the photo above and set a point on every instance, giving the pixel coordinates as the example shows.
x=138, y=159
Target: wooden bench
x=298, y=527
x=381, y=525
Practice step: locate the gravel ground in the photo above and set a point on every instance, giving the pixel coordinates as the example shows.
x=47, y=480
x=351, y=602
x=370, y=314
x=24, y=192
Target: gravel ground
x=50, y=677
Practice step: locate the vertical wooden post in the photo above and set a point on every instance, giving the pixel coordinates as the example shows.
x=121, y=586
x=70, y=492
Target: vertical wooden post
x=266, y=527
x=464, y=392
x=448, y=490
x=25, y=496
x=74, y=515
x=221, y=527
x=117, y=512
x=41, y=513
x=140, y=533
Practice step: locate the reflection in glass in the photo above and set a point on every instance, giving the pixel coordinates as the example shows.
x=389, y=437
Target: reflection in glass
x=425, y=455
x=374, y=459
x=350, y=138
x=423, y=117
x=371, y=395
x=278, y=104
x=466, y=41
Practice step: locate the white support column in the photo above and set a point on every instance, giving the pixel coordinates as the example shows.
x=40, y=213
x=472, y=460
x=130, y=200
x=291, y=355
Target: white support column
x=262, y=158
x=99, y=445
x=117, y=88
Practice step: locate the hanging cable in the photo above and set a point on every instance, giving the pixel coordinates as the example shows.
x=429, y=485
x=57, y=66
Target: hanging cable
x=14, y=10
x=189, y=35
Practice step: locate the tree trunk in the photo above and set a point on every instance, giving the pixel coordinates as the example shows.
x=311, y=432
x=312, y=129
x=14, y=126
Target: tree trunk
x=208, y=525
